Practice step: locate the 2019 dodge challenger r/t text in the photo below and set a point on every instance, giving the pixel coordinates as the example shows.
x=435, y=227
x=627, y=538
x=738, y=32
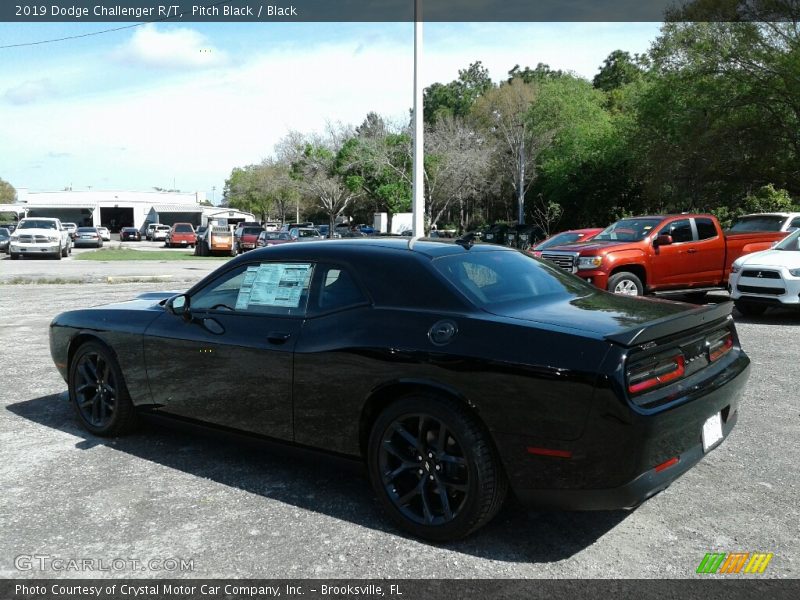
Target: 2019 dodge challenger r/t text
x=456, y=371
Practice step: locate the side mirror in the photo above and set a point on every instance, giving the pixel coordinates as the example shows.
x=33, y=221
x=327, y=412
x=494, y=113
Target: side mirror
x=663, y=240
x=179, y=305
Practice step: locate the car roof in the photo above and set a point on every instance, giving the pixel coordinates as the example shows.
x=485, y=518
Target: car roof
x=351, y=247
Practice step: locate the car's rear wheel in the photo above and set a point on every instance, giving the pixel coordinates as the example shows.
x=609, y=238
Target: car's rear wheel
x=626, y=284
x=434, y=468
x=750, y=309
x=97, y=391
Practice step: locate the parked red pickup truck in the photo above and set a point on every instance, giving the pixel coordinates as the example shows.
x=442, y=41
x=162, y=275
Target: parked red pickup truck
x=641, y=255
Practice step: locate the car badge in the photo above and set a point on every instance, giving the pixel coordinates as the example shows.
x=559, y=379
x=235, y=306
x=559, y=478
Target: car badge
x=760, y=275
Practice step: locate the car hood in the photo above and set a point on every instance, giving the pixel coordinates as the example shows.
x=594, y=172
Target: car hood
x=599, y=313
x=36, y=231
x=771, y=258
x=589, y=246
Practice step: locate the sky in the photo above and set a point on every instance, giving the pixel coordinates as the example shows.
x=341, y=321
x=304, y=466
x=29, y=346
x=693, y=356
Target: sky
x=179, y=106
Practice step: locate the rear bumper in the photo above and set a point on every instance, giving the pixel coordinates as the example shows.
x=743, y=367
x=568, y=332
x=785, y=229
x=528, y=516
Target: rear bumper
x=614, y=465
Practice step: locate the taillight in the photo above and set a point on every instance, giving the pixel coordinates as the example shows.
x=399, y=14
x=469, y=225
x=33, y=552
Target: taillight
x=719, y=346
x=655, y=371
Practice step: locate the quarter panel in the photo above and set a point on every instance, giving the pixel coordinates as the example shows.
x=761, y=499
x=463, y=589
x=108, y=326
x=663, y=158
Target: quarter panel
x=538, y=381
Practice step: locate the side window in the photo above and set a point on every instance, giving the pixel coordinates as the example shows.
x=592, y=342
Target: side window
x=795, y=222
x=337, y=289
x=705, y=229
x=262, y=288
x=681, y=231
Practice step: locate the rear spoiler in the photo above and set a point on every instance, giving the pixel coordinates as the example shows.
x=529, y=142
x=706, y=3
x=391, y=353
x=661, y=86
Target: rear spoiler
x=691, y=319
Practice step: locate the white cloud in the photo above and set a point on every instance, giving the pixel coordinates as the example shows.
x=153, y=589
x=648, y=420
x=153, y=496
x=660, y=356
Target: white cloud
x=28, y=92
x=200, y=125
x=173, y=48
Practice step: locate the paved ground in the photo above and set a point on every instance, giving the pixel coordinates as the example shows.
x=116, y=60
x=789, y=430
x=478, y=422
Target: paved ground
x=71, y=270
x=244, y=510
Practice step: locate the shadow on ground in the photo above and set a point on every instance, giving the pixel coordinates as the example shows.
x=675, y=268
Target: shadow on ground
x=322, y=483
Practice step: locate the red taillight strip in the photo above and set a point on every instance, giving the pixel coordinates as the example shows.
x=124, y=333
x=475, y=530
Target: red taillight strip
x=667, y=464
x=726, y=343
x=680, y=369
x=550, y=452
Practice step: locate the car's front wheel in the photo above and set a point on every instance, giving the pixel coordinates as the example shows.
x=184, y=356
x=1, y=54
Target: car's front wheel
x=97, y=391
x=434, y=468
x=626, y=284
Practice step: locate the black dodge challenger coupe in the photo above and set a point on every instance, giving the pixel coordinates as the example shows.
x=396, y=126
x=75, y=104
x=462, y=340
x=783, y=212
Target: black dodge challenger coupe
x=454, y=370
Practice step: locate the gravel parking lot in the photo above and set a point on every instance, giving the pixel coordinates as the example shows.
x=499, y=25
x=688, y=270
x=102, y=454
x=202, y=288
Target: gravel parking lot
x=236, y=509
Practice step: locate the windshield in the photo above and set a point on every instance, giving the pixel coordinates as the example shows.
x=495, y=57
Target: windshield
x=490, y=278
x=307, y=233
x=36, y=224
x=791, y=242
x=628, y=230
x=559, y=240
x=4, y=233
x=758, y=223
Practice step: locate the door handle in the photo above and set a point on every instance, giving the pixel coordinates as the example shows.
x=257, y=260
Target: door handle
x=691, y=251
x=213, y=326
x=278, y=337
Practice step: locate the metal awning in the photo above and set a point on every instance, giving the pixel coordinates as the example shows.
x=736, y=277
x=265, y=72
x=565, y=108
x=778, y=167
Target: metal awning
x=177, y=208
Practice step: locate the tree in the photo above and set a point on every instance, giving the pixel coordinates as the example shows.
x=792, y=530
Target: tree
x=455, y=99
x=542, y=72
x=7, y=192
x=377, y=162
x=457, y=164
x=618, y=69
x=316, y=165
x=505, y=113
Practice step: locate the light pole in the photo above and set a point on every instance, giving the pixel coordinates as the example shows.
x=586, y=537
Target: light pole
x=418, y=175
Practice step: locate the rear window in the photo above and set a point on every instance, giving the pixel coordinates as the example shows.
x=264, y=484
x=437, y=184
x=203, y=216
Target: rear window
x=758, y=223
x=490, y=278
x=183, y=229
x=559, y=240
x=252, y=230
x=87, y=230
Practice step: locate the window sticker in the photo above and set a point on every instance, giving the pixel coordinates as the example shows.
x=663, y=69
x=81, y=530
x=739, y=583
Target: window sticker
x=279, y=285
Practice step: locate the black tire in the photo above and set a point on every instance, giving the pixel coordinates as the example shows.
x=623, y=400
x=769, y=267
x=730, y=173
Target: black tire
x=13, y=255
x=98, y=393
x=59, y=254
x=750, y=309
x=625, y=283
x=447, y=483
x=65, y=251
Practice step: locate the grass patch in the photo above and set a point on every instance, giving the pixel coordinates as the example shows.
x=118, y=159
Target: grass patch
x=110, y=254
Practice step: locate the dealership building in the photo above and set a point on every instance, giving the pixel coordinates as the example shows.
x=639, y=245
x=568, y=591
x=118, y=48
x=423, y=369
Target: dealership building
x=117, y=209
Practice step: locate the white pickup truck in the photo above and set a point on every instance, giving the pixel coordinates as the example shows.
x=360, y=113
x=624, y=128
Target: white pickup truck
x=40, y=236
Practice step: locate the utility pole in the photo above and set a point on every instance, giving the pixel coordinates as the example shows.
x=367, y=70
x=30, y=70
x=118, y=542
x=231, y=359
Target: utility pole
x=521, y=187
x=418, y=176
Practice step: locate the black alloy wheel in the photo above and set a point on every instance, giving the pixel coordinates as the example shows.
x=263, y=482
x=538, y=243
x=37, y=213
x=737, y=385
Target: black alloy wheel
x=434, y=468
x=97, y=391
